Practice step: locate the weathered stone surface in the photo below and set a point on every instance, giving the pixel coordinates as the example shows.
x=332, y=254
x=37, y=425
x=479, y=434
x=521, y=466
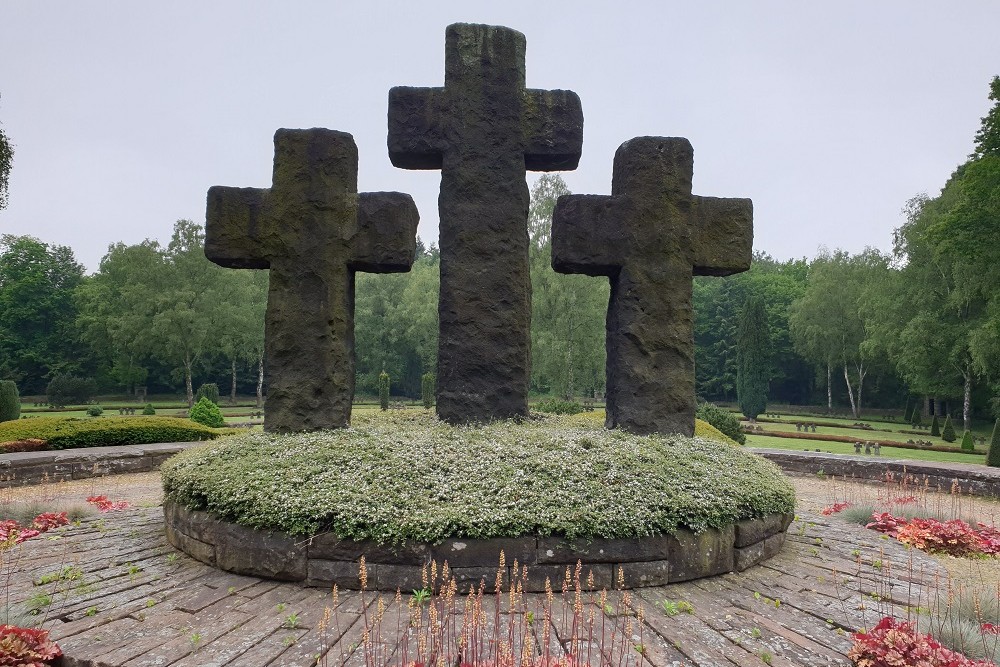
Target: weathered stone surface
x=331, y=547
x=598, y=550
x=485, y=553
x=482, y=130
x=391, y=577
x=748, y=556
x=264, y=554
x=326, y=573
x=650, y=237
x=603, y=576
x=645, y=573
x=313, y=230
x=704, y=554
x=195, y=548
x=753, y=531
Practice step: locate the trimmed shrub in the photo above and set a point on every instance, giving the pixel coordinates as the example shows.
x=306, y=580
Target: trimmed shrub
x=556, y=406
x=348, y=482
x=95, y=411
x=968, y=444
x=427, y=383
x=66, y=390
x=993, y=455
x=915, y=419
x=209, y=390
x=702, y=429
x=383, y=390
x=935, y=427
x=149, y=410
x=724, y=420
x=73, y=432
x=948, y=432
x=208, y=413
x=10, y=401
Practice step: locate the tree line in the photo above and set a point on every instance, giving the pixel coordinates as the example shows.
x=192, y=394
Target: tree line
x=919, y=323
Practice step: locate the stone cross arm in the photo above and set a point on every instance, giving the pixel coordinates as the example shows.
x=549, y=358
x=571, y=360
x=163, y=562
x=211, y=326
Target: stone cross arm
x=385, y=238
x=241, y=227
x=236, y=227
x=651, y=212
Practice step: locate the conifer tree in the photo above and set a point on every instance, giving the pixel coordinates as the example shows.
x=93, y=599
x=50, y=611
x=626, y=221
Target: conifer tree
x=752, y=358
x=935, y=427
x=968, y=444
x=10, y=401
x=383, y=390
x=427, y=389
x=993, y=455
x=948, y=432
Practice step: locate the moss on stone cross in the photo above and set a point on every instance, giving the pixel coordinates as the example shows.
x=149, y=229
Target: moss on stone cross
x=483, y=129
x=650, y=237
x=313, y=230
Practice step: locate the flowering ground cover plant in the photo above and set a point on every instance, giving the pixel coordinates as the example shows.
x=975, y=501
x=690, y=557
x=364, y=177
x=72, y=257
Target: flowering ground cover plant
x=395, y=477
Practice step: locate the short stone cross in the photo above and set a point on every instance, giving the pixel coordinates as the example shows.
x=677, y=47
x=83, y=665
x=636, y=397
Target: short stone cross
x=650, y=237
x=483, y=129
x=313, y=230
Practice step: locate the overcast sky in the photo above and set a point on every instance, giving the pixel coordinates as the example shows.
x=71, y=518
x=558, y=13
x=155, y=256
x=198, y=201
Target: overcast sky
x=829, y=115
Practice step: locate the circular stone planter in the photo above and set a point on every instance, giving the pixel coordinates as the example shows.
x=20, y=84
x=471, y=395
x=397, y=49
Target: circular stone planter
x=325, y=560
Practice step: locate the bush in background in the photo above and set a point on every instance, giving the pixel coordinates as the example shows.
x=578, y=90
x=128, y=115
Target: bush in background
x=10, y=401
x=724, y=420
x=993, y=455
x=209, y=390
x=968, y=443
x=207, y=413
x=66, y=390
x=95, y=411
x=148, y=410
x=73, y=432
x=948, y=432
x=935, y=427
x=383, y=390
x=427, y=389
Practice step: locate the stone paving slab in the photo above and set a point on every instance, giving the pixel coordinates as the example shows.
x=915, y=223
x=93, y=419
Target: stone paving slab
x=130, y=599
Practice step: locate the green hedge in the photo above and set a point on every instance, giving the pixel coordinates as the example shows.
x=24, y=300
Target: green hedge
x=71, y=432
x=398, y=476
x=724, y=420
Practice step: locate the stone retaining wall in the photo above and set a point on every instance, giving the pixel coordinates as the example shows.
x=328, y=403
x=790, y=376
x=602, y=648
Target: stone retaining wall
x=23, y=468
x=325, y=560
x=978, y=480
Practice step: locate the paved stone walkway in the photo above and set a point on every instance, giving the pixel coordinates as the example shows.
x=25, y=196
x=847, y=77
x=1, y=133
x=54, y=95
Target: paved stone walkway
x=114, y=593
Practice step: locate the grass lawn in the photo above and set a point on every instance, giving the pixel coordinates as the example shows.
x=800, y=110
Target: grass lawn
x=848, y=448
x=884, y=429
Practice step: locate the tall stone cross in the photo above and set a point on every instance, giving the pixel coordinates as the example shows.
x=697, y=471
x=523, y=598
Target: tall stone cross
x=313, y=230
x=650, y=237
x=483, y=129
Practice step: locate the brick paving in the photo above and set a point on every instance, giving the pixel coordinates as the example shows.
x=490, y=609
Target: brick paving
x=126, y=598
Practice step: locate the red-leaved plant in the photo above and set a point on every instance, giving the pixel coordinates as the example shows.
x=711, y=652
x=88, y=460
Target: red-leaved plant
x=14, y=533
x=104, y=505
x=26, y=647
x=894, y=643
x=954, y=537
